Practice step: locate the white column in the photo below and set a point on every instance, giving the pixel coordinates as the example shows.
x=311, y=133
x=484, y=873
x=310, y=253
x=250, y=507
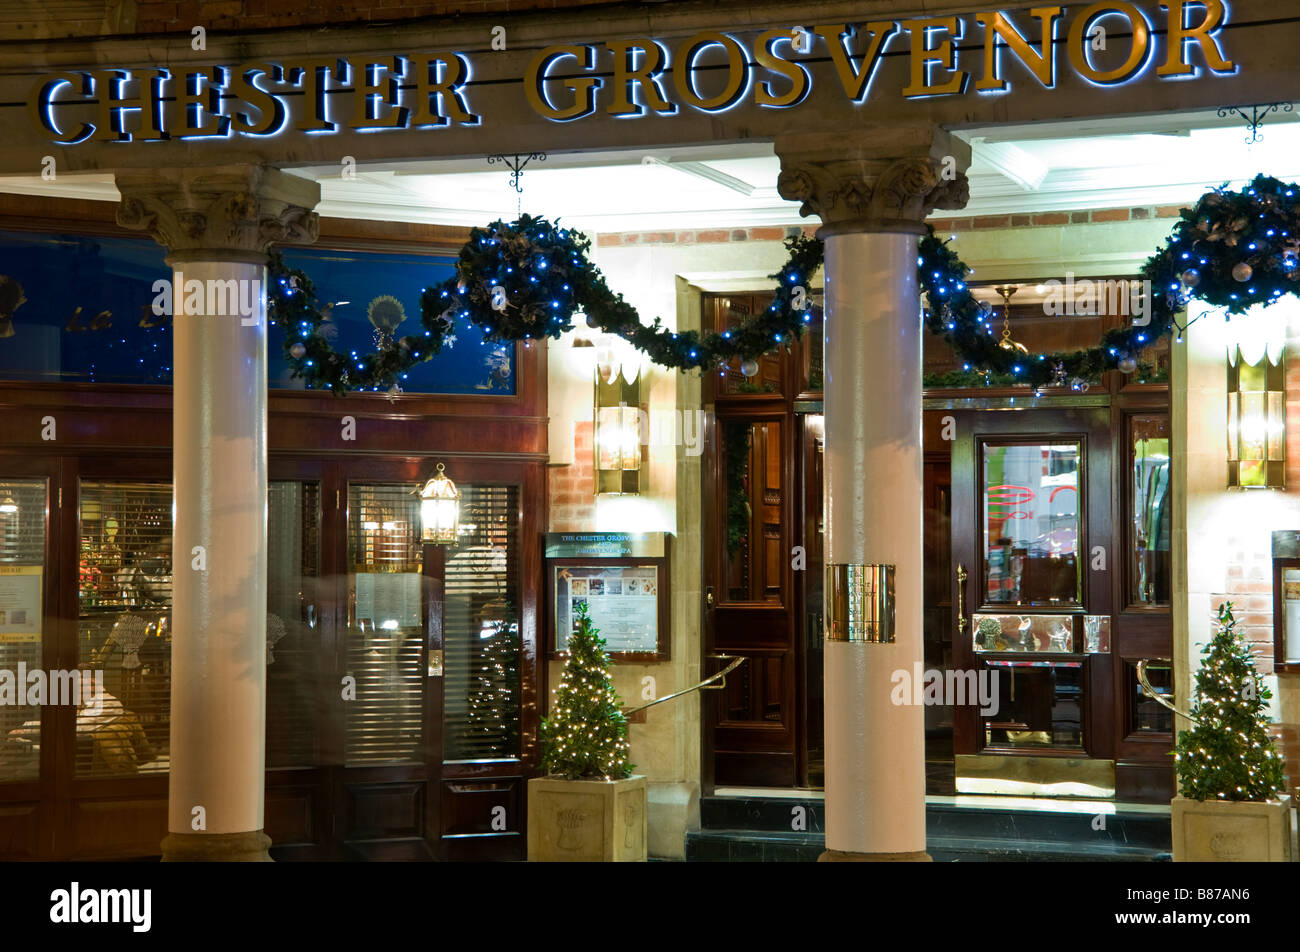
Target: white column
x=875, y=766
x=872, y=189
x=217, y=224
x=219, y=604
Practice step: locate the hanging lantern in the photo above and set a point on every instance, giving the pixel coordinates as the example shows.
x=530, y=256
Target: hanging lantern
x=439, y=509
x=1256, y=418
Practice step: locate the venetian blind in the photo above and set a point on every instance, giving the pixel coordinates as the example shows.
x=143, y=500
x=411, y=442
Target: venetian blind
x=384, y=654
x=481, y=628
x=22, y=572
x=292, y=626
x=124, y=626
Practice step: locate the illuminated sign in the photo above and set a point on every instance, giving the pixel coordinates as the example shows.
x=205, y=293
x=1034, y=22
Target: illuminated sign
x=1106, y=44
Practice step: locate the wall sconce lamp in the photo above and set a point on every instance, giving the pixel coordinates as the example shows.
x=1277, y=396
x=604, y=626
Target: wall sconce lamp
x=618, y=431
x=1256, y=418
x=8, y=506
x=439, y=510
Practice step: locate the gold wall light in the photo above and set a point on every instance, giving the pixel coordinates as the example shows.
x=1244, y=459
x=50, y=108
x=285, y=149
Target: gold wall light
x=1256, y=419
x=618, y=431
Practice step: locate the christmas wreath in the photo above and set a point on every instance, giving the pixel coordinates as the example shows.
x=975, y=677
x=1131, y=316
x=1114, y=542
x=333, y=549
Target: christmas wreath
x=528, y=279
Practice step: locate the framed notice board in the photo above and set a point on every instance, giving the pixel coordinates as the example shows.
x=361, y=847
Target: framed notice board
x=622, y=578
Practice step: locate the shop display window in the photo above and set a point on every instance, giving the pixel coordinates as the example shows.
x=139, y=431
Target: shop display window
x=23, y=579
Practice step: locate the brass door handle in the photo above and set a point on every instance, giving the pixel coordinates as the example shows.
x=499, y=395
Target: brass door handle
x=708, y=597
x=961, y=599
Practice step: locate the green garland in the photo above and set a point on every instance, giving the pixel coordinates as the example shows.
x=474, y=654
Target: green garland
x=528, y=279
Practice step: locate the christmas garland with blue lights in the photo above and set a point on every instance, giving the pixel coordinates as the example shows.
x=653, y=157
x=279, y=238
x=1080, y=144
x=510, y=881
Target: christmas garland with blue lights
x=527, y=280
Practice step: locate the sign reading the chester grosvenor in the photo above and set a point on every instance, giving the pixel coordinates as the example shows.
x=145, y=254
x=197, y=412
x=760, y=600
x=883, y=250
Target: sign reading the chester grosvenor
x=1104, y=43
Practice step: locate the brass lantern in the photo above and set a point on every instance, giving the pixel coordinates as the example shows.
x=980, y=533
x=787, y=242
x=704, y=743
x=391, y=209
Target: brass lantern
x=439, y=510
x=1256, y=418
x=618, y=430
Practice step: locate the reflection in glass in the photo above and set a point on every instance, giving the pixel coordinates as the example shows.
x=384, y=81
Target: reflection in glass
x=1040, y=704
x=1149, y=715
x=1028, y=633
x=1148, y=544
x=756, y=556
x=1031, y=524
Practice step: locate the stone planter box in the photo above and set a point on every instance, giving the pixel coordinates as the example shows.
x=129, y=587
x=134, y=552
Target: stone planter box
x=1220, y=831
x=586, y=821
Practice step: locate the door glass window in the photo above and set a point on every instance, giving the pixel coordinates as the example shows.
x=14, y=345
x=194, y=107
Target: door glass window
x=22, y=589
x=385, y=639
x=751, y=528
x=1148, y=524
x=1036, y=704
x=1030, y=505
x=481, y=628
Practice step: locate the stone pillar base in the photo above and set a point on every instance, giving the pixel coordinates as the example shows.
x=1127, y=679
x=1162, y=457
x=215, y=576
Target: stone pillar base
x=216, y=848
x=839, y=856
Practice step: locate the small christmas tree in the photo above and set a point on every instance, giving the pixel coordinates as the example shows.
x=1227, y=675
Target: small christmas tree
x=1228, y=755
x=586, y=735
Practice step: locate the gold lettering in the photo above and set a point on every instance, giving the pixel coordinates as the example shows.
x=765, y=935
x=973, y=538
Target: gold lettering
x=270, y=108
x=1179, y=33
x=439, y=77
x=797, y=73
x=942, y=54
x=583, y=87
x=626, y=75
x=193, y=100
x=1040, y=64
x=315, y=74
x=854, y=81
x=379, y=92
x=111, y=122
x=737, y=71
x=41, y=104
x=1077, y=43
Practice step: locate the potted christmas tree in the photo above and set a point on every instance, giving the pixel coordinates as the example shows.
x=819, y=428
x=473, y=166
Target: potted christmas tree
x=1231, y=806
x=589, y=807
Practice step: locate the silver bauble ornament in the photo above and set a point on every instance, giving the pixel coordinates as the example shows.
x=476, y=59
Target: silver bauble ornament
x=1242, y=271
x=749, y=368
x=1127, y=364
x=1191, y=277
x=298, y=351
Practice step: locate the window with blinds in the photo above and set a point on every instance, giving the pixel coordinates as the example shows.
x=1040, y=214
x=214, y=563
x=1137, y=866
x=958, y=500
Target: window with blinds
x=481, y=628
x=384, y=722
x=22, y=589
x=125, y=598
x=292, y=624
x=124, y=626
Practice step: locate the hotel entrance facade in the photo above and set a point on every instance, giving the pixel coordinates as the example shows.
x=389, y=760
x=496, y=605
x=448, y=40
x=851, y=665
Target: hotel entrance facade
x=287, y=658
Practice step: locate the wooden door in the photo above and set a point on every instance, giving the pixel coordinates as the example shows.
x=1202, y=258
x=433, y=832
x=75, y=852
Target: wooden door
x=1033, y=567
x=752, y=723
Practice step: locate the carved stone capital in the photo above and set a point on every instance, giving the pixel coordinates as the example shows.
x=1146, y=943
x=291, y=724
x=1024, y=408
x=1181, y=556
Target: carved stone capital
x=231, y=213
x=874, y=178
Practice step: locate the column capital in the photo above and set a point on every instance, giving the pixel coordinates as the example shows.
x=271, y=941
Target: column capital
x=875, y=177
x=224, y=213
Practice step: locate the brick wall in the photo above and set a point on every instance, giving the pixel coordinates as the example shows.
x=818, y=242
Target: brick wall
x=178, y=16
x=572, y=488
